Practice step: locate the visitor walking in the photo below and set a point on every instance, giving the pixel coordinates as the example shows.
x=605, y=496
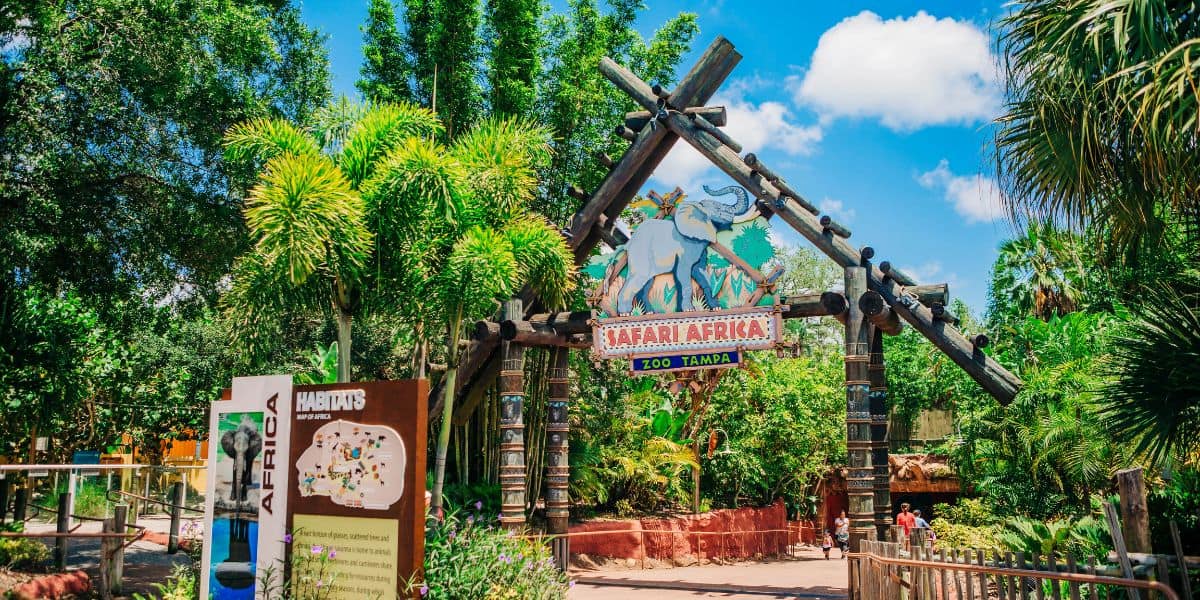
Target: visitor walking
x=842, y=530
x=906, y=519
x=918, y=522
x=826, y=544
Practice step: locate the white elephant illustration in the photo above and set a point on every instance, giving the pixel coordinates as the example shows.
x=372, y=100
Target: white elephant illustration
x=679, y=247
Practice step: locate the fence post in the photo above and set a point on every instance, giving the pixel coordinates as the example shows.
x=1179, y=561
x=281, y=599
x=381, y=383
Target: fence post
x=177, y=491
x=116, y=560
x=3, y=499
x=20, y=497
x=64, y=526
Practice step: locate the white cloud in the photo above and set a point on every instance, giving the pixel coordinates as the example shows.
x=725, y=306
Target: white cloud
x=765, y=126
x=837, y=210
x=975, y=197
x=932, y=272
x=907, y=72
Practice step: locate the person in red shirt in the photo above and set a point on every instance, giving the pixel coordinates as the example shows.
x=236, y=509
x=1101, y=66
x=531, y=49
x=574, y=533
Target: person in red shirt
x=906, y=519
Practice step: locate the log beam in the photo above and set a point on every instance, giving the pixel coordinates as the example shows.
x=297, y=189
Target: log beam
x=754, y=163
x=716, y=115
x=879, y=313
x=828, y=224
x=899, y=276
x=994, y=378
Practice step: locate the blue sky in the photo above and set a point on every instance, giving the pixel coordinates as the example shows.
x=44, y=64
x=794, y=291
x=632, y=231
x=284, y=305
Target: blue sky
x=877, y=111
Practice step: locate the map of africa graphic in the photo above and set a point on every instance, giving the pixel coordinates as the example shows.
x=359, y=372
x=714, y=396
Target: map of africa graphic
x=355, y=465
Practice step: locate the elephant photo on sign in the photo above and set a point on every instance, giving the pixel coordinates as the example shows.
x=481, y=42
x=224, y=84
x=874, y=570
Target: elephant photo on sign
x=679, y=247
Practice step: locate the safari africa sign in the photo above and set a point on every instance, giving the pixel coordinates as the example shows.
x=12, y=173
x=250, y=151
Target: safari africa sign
x=687, y=291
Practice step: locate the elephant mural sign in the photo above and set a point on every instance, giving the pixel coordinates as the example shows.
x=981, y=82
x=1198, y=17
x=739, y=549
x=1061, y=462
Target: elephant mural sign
x=688, y=282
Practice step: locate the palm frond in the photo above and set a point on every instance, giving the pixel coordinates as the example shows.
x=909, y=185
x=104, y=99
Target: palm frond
x=1154, y=399
x=502, y=157
x=304, y=213
x=546, y=262
x=382, y=128
x=416, y=179
x=332, y=123
x=264, y=139
x=480, y=271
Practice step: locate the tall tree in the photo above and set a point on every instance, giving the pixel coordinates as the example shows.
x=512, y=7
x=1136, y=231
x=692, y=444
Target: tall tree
x=443, y=44
x=1101, y=122
x=314, y=233
x=515, y=57
x=385, y=71
x=1039, y=273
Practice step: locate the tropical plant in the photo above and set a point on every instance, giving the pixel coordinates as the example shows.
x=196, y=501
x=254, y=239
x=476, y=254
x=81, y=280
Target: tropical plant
x=1101, y=123
x=182, y=584
x=314, y=232
x=23, y=553
x=1085, y=536
x=1039, y=273
x=324, y=366
x=1153, y=399
x=468, y=556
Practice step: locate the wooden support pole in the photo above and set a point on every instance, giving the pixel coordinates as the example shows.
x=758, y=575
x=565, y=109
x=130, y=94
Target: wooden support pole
x=1135, y=519
x=939, y=312
x=20, y=501
x=994, y=378
x=835, y=305
x=716, y=132
x=63, y=526
x=877, y=375
x=860, y=482
x=757, y=165
x=716, y=115
x=879, y=313
x=625, y=133
x=828, y=224
x=528, y=334
x=577, y=193
x=177, y=497
x=512, y=427
x=112, y=552
x=557, y=450
x=605, y=159
x=896, y=274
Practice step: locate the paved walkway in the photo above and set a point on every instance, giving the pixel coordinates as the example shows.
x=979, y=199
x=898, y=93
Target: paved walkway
x=807, y=576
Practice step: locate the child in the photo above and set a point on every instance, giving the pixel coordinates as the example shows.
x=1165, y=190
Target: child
x=827, y=544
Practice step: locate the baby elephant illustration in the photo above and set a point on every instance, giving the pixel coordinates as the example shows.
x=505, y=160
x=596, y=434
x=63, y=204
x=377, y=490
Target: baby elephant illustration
x=679, y=247
x=242, y=445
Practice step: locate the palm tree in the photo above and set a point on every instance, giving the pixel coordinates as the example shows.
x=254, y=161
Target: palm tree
x=1039, y=274
x=314, y=231
x=1103, y=113
x=1154, y=399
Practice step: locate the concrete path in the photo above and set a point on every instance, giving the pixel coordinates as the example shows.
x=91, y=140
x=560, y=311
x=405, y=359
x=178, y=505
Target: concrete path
x=807, y=576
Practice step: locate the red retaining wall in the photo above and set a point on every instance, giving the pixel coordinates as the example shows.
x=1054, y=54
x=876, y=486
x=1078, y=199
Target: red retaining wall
x=677, y=537
x=54, y=586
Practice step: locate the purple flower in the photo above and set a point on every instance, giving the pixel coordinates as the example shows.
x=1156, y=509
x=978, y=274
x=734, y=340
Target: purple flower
x=320, y=583
x=332, y=553
x=317, y=549
x=571, y=583
x=424, y=590
x=479, y=505
x=287, y=538
x=501, y=557
x=452, y=534
x=470, y=519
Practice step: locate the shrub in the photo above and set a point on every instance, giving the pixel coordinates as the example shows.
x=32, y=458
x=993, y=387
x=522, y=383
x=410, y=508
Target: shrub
x=22, y=553
x=183, y=584
x=968, y=511
x=952, y=535
x=1086, y=536
x=468, y=558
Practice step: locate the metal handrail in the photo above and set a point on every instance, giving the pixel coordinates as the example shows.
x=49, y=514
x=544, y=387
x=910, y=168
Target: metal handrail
x=1156, y=586
x=120, y=493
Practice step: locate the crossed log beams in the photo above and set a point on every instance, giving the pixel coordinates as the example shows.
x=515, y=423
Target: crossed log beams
x=650, y=146
x=997, y=380
x=574, y=329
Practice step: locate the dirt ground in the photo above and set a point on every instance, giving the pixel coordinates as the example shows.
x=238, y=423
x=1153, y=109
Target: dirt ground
x=808, y=575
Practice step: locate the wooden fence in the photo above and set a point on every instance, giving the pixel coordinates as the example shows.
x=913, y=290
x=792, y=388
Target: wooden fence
x=913, y=571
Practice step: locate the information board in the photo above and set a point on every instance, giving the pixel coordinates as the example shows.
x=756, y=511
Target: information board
x=644, y=365
x=358, y=473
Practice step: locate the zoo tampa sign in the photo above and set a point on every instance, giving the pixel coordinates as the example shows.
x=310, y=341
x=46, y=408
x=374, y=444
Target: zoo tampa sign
x=687, y=290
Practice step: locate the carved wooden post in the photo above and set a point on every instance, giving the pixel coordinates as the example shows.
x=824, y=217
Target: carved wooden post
x=861, y=480
x=879, y=435
x=512, y=426
x=557, y=469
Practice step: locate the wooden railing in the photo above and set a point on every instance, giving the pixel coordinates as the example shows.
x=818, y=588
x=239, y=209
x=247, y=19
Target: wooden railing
x=887, y=570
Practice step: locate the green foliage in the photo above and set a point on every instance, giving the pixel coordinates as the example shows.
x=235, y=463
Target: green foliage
x=1176, y=500
x=311, y=574
x=1084, y=537
x=952, y=535
x=183, y=584
x=515, y=59
x=324, y=366
x=784, y=422
x=667, y=422
x=967, y=511
x=23, y=553
x=467, y=556
x=1153, y=399
x=385, y=69
x=1100, y=127
x=1040, y=273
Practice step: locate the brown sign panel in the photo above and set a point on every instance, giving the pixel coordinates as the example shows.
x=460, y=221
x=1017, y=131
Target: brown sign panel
x=358, y=481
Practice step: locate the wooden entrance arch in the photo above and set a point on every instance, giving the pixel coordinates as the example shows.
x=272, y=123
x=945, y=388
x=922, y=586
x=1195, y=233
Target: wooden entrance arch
x=877, y=299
